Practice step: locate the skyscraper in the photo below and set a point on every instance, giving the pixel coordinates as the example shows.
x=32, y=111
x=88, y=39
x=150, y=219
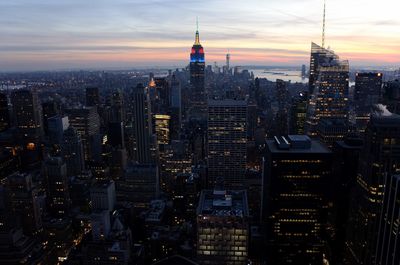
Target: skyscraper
x=330, y=88
x=27, y=113
x=197, y=73
x=366, y=94
x=92, y=96
x=72, y=152
x=176, y=107
x=298, y=114
x=142, y=123
x=319, y=57
x=227, y=142
x=222, y=227
x=24, y=202
x=55, y=174
x=4, y=112
x=296, y=195
x=387, y=250
x=379, y=158
x=162, y=128
x=86, y=121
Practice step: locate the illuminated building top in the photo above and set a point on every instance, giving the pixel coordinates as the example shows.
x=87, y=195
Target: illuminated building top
x=197, y=53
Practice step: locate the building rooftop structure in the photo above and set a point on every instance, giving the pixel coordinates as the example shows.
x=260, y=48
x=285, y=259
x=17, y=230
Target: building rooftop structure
x=223, y=203
x=296, y=144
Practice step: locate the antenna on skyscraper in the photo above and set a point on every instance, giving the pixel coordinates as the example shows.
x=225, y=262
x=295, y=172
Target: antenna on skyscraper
x=323, y=26
x=197, y=23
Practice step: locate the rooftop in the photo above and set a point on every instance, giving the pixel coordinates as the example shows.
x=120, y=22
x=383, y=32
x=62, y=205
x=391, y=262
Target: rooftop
x=223, y=203
x=296, y=144
x=227, y=103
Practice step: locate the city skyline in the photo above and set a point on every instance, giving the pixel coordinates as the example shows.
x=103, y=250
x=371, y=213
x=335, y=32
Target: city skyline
x=128, y=34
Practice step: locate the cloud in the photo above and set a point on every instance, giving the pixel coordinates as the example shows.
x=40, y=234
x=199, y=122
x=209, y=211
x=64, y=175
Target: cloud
x=53, y=31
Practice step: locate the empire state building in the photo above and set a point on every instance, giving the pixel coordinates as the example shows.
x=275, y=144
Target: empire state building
x=197, y=67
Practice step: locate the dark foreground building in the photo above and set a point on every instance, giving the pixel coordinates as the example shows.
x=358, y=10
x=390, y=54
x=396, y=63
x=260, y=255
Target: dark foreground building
x=296, y=195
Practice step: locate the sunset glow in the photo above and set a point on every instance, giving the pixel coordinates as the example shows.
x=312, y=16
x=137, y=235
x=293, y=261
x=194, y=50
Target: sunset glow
x=65, y=34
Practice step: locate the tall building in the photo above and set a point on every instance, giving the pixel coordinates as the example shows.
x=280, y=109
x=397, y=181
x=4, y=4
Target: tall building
x=24, y=202
x=346, y=155
x=379, y=158
x=55, y=174
x=72, y=152
x=296, y=196
x=55, y=128
x=227, y=132
x=281, y=118
x=222, y=227
x=330, y=89
x=139, y=185
x=298, y=114
x=176, y=107
x=367, y=93
x=92, y=96
x=49, y=109
x=142, y=123
x=87, y=122
x=387, y=250
x=27, y=113
x=319, y=57
x=331, y=130
x=162, y=128
x=116, y=136
x=4, y=112
x=197, y=74
x=102, y=195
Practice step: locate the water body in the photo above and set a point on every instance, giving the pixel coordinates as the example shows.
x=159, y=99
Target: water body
x=280, y=73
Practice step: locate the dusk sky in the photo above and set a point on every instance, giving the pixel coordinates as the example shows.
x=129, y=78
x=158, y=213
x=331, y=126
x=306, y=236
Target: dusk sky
x=64, y=34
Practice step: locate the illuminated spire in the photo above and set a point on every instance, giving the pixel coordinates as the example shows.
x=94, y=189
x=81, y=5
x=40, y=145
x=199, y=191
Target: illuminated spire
x=197, y=40
x=323, y=26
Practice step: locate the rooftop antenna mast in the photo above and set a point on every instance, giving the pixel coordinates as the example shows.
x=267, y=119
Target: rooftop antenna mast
x=323, y=26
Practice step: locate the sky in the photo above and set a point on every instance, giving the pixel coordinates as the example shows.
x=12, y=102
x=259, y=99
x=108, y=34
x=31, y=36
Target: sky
x=105, y=34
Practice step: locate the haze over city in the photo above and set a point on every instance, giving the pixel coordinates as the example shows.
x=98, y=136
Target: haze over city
x=49, y=35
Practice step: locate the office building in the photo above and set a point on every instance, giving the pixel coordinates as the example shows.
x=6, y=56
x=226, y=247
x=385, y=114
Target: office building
x=142, y=123
x=222, y=227
x=24, y=202
x=115, y=135
x=296, y=197
x=162, y=128
x=72, y=152
x=329, y=83
x=56, y=126
x=346, y=155
x=139, y=184
x=55, y=175
x=330, y=130
x=103, y=197
x=92, y=96
x=4, y=112
x=197, y=74
x=49, y=109
x=298, y=114
x=379, y=158
x=227, y=132
x=387, y=248
x=367, y=93
x=86, y=121
x=175, y=108
x=27, y=113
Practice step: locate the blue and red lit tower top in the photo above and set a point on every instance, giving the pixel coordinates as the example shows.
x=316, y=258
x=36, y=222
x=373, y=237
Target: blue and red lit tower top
x=197, y=53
